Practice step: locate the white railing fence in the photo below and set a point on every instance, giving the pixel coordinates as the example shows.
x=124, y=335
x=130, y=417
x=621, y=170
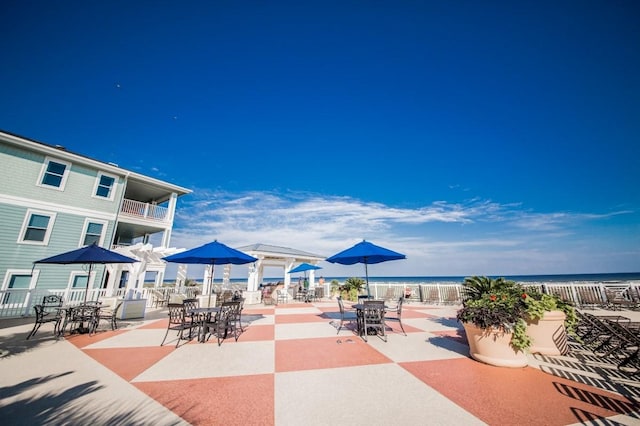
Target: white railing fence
x=144, y=210
x=19, y=302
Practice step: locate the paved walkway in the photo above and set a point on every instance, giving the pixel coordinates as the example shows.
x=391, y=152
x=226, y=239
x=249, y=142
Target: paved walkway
x=290, y=367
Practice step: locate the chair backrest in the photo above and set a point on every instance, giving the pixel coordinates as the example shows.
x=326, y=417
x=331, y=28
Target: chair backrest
x=399, y=307
x=373, y=310
x=52, y=300
x=117, y=308
x=177, y=313
x=50, y=303
x=340, y=304
x=85, y=311
x=229, y=311
x=390, y=294
x=190, y=304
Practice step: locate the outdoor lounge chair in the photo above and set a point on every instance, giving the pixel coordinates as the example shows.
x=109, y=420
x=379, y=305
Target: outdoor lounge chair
x=50, y=310
x=616, y=300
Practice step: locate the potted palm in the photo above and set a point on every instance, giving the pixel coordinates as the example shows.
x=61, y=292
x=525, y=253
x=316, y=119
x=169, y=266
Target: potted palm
x=351, y=288
x=523, y=320
x=493, y=320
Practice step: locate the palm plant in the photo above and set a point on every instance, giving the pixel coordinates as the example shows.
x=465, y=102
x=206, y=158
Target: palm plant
x=474, y=287
x=352, y=287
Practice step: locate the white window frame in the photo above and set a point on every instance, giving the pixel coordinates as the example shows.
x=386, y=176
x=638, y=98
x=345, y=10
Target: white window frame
x=32, y=284
x=85, y=228
x=43, y=171
x=97, y=184
x=25, y=224
x=11, y=272
x=74, y=274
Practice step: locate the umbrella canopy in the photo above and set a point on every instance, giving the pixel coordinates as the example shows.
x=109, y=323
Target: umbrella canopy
x=367, y=253
x=213, y=253
x=304, y=267
x=88, y=255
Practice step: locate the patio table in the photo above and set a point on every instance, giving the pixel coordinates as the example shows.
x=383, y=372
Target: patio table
x=80, y=314
x=203, y=315
x=359, y=307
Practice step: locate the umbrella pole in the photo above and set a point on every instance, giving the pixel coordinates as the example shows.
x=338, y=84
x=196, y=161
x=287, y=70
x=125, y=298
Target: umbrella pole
x=366, y=273
x=211, y=284
x=86, y=291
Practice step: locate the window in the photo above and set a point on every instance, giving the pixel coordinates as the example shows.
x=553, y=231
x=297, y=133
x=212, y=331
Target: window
x=93, y=232
x=15, y=285
x=79, y=281
x=36, y=228
x=124, y=277
x=105, y=186
x=54, y=173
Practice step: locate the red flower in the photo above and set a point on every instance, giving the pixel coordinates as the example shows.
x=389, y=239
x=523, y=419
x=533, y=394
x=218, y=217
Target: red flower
x=524, y=295
x=493, y=297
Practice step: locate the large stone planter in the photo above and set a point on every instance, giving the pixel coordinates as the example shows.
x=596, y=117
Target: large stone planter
x=548, y=334
x=493, y=347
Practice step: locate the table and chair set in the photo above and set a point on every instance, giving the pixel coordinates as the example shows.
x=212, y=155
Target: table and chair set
x=190, y=320
x=82, y=318
x=370, y=316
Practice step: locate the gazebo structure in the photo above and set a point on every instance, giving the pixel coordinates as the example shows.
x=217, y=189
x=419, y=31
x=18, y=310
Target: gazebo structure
x=274, y=256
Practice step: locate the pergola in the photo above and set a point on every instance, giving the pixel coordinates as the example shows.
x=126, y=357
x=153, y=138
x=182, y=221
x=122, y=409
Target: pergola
x=274, y=256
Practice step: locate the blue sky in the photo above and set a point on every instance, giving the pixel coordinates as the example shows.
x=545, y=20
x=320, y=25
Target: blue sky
x=492, y=138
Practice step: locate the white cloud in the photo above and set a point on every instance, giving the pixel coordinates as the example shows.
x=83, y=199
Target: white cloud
x=474, y=237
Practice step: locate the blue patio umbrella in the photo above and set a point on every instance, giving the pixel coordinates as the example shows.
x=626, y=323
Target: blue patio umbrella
x=213, y=253
x=88, y=255
x=304, y=267
x=367, y=253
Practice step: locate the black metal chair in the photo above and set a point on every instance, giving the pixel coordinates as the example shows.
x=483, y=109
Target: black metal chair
x=50, y=310
x=83, y=318
x=159, y=298
x=178, y=321
x=345, y=316
x=225, y=322
x=281, y=296
x=110, y=314
x=373, y=319
x=398, y=315
x=318, y=293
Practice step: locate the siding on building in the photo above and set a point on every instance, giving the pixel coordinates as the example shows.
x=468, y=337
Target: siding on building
x=21, y=166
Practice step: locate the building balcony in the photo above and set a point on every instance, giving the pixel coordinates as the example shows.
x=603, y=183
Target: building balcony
x=146, y=211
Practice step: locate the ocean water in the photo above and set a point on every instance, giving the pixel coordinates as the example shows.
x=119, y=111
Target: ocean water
x=608, y=278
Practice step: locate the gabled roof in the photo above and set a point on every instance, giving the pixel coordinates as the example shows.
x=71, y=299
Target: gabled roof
x=276, y=251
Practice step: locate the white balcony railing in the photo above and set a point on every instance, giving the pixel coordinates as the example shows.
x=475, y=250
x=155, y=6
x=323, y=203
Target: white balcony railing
x=144, y=210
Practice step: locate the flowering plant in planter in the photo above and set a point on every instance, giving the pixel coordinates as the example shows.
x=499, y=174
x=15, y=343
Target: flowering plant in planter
x=538, y=303
x=499, y=311
x=505, y=306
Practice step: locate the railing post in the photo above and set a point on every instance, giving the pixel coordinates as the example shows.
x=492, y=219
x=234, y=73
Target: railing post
x=27, y=302
x=574, y=293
